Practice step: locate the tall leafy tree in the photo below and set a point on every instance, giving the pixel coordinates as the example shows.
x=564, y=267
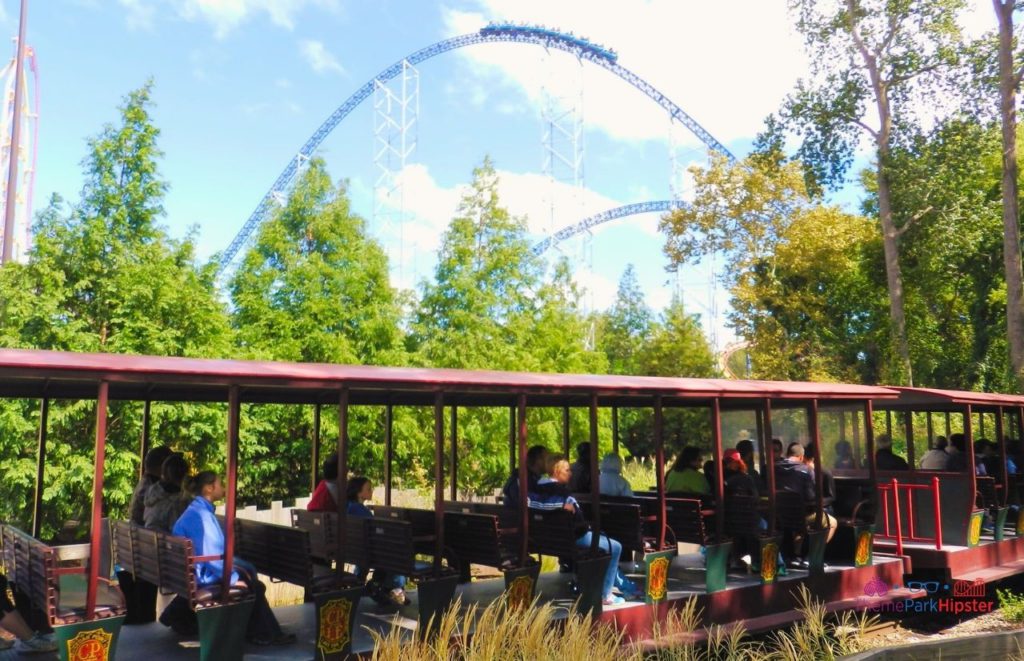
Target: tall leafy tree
x=313, y=288
x=626, y=325
x=103, y=275
x=877, y=53
x=676, y=346
x=1010, y=72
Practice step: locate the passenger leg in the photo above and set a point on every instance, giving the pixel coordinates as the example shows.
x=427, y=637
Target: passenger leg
x=263, y=628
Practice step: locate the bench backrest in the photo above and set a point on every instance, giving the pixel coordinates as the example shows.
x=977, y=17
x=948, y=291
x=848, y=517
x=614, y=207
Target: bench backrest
x=684, y=516
x=475, y=538
x=124, y=546
x=391, y=547
x=423, y=521
x=552, y=532
x=790, y=511
x=323, y=536
x=621, y=521
x=280, y=552
x=741, y=516
x=986, y=486
x=32, y=566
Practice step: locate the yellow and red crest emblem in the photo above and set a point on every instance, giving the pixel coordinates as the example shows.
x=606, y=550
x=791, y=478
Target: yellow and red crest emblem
x=863, y=553
x=769, y=553
x=91, y=645
x=520, y=592
x=974, y=535
x=334, y=619
x=657, y=581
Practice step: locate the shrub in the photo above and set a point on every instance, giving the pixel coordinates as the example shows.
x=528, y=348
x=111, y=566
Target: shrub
x=1012, y=605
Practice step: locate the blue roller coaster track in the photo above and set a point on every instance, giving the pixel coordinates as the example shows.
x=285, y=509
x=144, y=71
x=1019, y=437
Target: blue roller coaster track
x=582, y=48
x=652, y=206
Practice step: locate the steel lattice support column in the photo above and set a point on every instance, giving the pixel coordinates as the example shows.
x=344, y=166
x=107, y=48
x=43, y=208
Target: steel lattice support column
x=396, y=104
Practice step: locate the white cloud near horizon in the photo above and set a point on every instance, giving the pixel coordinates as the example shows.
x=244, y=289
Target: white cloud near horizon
x=319, y=58
x=225, y=15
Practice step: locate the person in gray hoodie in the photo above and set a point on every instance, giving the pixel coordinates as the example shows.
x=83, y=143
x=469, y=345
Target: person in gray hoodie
x=165, y=500
x=611, y=481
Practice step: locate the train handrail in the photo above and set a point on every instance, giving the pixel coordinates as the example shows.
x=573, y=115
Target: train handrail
x=894, y=488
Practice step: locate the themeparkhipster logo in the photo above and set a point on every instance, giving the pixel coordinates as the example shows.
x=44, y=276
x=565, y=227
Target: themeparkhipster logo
x=962, y=597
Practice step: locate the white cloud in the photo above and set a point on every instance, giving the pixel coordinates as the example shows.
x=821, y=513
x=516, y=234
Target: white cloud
x=728, y=85
x=318, y=57
x=139, y=14
x=226, y=15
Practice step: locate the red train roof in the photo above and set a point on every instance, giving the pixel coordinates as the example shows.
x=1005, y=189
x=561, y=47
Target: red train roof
x=29, y=373
x=935, y=396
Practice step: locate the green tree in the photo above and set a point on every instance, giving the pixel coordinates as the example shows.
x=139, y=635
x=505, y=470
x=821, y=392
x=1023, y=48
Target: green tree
x=879, y=53
x=489, y=307
x=313, y=288
x=104, y=276
x=626, y=325
x=676, y=346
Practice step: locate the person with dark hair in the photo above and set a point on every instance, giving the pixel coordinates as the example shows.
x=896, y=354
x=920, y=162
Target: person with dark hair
x=536, y=466
x=986, y=455
x=844, y=456
x=828, y=489
x=384, y=588
x=139, y=595
x=581, y=477
x=777, y=449
x=684, y=475
x=26, y=640
x=200, y=525
x=957, y=450
x=792, y=474
x=884, y=457
x=165, y=500
x=325, y=497
x=936, y=459
x=745, y=448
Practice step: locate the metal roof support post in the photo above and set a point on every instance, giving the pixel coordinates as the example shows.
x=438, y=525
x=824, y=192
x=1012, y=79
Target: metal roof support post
x=234, y=418
x=438, y=480
x=314, y=474
x=615, y=429
x=855, y=419
x=1001, y=441
x=819, y=475
x=144, y=441
x=969, y=446
x=37, y=500
x=659, y=465
x=455, y=452
x=519, y=415
x=595, y=487
x=869, y=433
x=342, y=480
x=770, y=469
x=99, y=459
x=389, y=451
x=512, y=453
x=716, y=431
x=565, y=431
x=931, y=430
x=910, y=439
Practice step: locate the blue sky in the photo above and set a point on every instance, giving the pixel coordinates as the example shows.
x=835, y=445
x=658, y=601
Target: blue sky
x=241, y=84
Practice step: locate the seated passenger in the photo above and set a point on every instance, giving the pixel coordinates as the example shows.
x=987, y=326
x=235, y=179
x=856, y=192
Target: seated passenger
x=936, y=459
x=957, y=450
x=611, y=481
x=557, y=496
x=581, y=477
x=384, y=587
x=325, y=496
x=166, y=500
x=536, y=466
x=746, y=449
x=793, y=475
x=26, y=640
x=988, y=456
x=844, y=456
x=199, y=524
x=737, y=476
x=828, y=490
x=884, y=457
x=684, y=475
x=139, y=595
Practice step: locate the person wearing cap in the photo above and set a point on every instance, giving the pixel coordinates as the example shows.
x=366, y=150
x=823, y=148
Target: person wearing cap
x=884, y=457
x=611, y=482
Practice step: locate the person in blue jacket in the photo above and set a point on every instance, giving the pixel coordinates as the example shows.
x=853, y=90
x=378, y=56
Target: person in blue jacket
x=200, y=524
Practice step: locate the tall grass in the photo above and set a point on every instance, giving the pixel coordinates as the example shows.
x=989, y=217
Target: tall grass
x=508, y=634
x=639, y=473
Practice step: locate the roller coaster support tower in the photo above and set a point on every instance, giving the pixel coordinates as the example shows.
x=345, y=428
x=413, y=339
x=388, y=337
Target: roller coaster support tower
x=583, y=49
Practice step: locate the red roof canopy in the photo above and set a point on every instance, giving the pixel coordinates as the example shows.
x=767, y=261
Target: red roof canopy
x=909, y=397
x=32, y=373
